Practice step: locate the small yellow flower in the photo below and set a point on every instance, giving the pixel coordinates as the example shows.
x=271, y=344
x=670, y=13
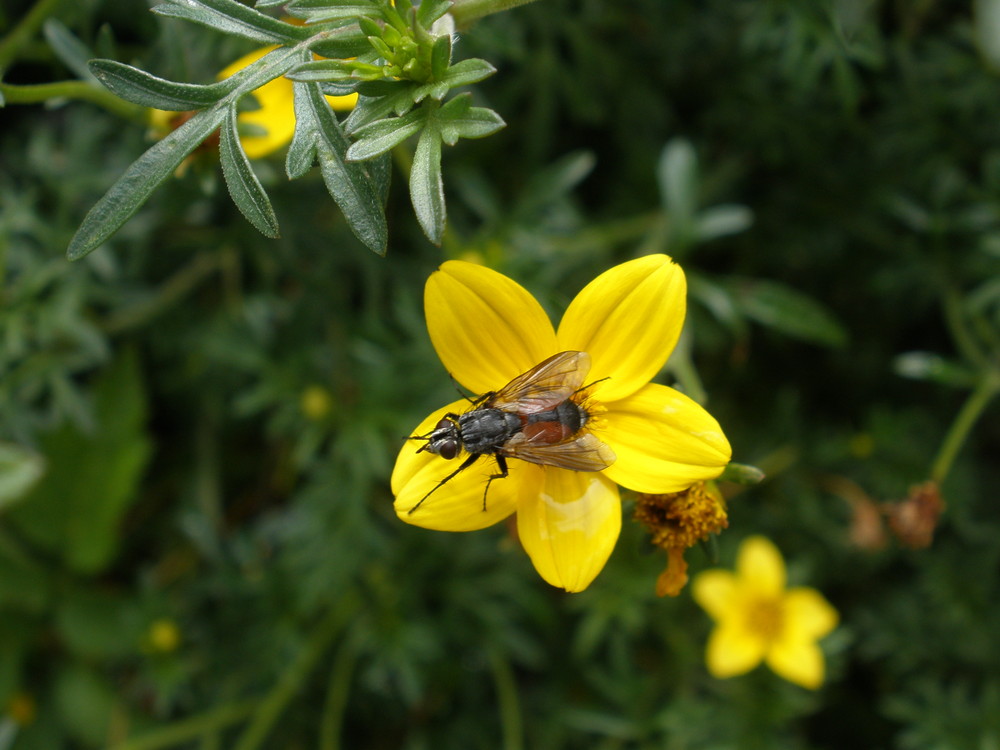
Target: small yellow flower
x=163, y=636
x=487, y=330
x=275, y=115
x=316, y=402
x=758, y=619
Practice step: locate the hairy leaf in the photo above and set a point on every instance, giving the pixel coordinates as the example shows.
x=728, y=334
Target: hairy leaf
x=140, y=87
x=426, y=187
x=379, y=137
x=144, y=175
x=318, y=134
x=234, y=18
x=244, y=187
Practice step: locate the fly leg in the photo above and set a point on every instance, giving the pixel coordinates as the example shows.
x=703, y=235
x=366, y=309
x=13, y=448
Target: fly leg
x=465, y=465
x=502, y=463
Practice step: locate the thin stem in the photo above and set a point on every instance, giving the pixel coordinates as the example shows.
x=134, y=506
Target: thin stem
x=190, y=729
x=331, y=726
x=291, y=681
x=21, y=34
x=972, y=409
x=75, y=90
x=510, y=710
x=466, y=11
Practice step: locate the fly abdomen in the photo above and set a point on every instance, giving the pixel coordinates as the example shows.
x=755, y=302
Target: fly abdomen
x=555, y=425
x=486, y=430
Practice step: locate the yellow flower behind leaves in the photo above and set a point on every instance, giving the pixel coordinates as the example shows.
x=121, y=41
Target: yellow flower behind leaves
x=758, y=619
x=272, y=124
x=487, y=330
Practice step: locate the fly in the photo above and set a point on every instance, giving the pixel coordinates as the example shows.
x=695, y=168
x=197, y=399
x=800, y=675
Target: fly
x=533, y=418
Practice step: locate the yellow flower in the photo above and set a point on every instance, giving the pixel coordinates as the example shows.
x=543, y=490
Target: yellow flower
x=273, y=123
x=757, y=619
x=487, y=330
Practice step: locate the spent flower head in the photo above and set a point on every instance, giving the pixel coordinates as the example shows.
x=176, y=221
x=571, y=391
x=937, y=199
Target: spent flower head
x=758, y=619
x=488, y=330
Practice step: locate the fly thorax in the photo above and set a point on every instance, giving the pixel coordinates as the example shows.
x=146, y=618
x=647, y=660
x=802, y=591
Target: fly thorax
x=485, y=430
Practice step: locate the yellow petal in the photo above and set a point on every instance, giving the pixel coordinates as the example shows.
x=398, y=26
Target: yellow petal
x=665, y=441
x=569, y=525
x=628, y=319
x=808, y=615
x=760, y=567
x=486, y=328
x=732, y=651
x=798, y=661
x=717, y=593
x=458, y=504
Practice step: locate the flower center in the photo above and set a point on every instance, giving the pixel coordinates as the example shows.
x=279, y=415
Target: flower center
x=765, y=618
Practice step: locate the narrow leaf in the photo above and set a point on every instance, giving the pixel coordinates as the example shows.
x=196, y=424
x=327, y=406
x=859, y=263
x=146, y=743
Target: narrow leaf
x=478, y=122
x=379, y=137
x=244, y=187
x=140, y=87
x=350, y=184
x=19, y=470
x=440, y=56
x=431, y=10
x=426, y=187
x=73, y=53
x=781, y=307
x=134, y=187
x=332, y=11
x=234, y=18
x=372, y=108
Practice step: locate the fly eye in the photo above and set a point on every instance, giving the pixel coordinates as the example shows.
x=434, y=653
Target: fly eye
x=443, y=423
x=447, y=449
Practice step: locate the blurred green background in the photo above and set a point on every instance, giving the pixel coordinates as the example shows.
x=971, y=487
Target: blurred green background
x=210, y=558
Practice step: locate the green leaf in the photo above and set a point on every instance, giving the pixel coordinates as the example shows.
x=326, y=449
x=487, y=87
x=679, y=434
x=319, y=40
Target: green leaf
x=426, y=186
x=459, y=74
x=431, y=10
x=144, y=89
x=321, y=70
x=244, y=187
x=318, y=134
x=377, y=107
x=73, y=53
x=467, y=122
x=138, y=182
x=721, y=221
x=793, y=313
x=75, y=509
x=440, y=56
x=235, y=19
x=99, y=624
x=329, y=11
x=381, y=136
x=677, y=173
x=20, y=468
x=934, y=368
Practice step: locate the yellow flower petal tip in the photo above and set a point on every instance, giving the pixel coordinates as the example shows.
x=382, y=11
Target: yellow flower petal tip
x=563, y=418
x=759, y=620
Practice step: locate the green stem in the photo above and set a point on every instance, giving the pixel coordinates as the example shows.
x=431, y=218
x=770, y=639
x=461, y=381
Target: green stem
x=972, y=409
x=291, y=681
x=21, y=34
x=187, y=730
x=510, y=710
x=954, y=317
x=331, y=726
x=466, y=11
x=76, y=90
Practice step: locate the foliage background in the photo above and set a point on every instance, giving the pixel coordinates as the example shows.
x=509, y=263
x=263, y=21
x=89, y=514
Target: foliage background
x=211, y=559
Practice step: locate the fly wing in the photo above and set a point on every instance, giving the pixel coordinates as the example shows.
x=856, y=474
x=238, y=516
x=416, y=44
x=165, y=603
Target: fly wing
x=544, y=386
x=583, y=453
